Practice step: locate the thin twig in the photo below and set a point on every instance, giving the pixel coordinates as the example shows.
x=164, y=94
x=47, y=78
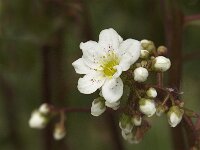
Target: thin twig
x=190, y=18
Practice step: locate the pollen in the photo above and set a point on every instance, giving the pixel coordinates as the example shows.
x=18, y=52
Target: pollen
x=108, y=64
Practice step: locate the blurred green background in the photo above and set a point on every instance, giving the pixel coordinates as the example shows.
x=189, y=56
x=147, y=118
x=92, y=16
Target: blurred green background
x=39, y=39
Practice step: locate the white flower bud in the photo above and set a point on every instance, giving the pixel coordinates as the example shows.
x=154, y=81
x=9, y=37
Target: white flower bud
x=161, y=63
x=44, y=109
x=140, y=74
x=136, y=120
x=127, y=136
x=145, y=43
x=114, y=105
x=98, y=106
x=59, y=132
x=151, y=92
x=147, y=107
x=144, y=54
x=175, y=115
x=148, y=45
x=130, y=137
x=37, y=120
x=162, y=50
x=125, y=123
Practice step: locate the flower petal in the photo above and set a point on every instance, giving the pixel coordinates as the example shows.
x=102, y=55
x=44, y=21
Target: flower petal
x=129, y=50
x=112, y=90
x=91, y=53
x=90, y=82
x=80, y=67
x=118, y=72
x=109, y=39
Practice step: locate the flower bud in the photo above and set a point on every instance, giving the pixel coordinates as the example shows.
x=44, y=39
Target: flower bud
x=44, y=109
x=59, y=132
x=37, y=120
x=162, y=50
x=114, y=105
x=125, y=123
x=127, y=136
x=151, y=92
x=161, y=63
x=175, y=115
x=140, y=74
x=130, y=137
x=136, y=120
x=144, y=54
x=98, y=106
x=148, y=45
x=147, y=107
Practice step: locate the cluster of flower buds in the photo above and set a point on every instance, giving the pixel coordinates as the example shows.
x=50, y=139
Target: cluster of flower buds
x=127, y=125
x=41, y=117
x=151, y=60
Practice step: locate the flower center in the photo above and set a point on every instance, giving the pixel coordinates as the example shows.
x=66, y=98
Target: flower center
x=108, y=64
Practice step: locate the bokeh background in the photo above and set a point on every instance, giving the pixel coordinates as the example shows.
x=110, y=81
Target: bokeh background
x=39, y=40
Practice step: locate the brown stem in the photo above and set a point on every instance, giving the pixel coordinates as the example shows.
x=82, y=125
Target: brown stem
x=190, y=18
x=160, y=79
x=115, y=135
x=46, y=93
x=173, y=24
x=78, y=109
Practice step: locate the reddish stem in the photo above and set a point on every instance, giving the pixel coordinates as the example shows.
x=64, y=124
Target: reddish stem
x=190, y=18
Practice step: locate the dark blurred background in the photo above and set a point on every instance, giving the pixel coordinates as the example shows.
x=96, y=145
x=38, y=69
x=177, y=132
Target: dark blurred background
x=39, y=40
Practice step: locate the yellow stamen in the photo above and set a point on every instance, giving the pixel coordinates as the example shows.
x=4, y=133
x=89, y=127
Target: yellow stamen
x=108, y=64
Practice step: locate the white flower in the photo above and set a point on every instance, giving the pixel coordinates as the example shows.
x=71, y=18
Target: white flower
x=59, y=132
x=103, y=62
x=136, y=120
x=175, y=115
x=140, y=74
x=147, y=107
x=125, y=123
x=162, y=63
x=98, y=107
x=44, y=109
x=114, y=105
x=37, y=120
x=151, y=92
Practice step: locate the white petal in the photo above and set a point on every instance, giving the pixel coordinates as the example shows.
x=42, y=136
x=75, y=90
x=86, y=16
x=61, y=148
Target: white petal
x=80, y=67
x=118, y=72
x=114, y=105
x=91, y=53
x=129, y=51
x=90, y=82
x=110, y=39
x=112, y=90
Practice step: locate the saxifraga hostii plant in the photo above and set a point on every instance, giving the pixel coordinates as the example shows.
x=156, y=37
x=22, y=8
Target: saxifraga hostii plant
x=108, y=66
